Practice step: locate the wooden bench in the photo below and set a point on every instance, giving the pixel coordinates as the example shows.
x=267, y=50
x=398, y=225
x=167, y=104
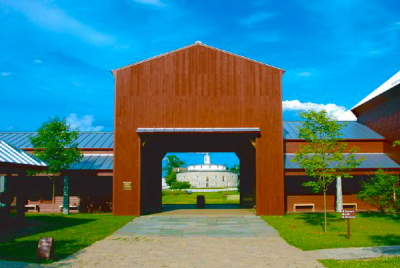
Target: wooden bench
x=73, y=203
x=352, y=205
x=35, y=207
x=312, y=205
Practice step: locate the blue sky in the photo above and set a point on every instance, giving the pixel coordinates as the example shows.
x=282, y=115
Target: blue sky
x=56, y=56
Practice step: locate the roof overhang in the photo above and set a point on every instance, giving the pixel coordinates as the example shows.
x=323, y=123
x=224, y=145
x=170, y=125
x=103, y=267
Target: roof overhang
x=234, y=130
x=378, y=100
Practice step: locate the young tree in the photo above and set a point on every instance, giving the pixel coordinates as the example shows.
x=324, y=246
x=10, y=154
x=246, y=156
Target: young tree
x=380, y=191
x=172, y=162
x=170, y=178
x=235, y=168
x=56, y=144
x=324, y=157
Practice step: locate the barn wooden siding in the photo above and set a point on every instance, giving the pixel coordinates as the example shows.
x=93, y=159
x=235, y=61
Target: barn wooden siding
x=385, y=120
x=371, y=146
x=318, y=201
x=382, y=114
x=296, y=193
x=199, y=86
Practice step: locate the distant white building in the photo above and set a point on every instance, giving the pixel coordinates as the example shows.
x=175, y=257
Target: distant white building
x=164, y=184
x=208, y=175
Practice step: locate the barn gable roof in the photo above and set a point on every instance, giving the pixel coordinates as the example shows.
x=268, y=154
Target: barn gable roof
x=190, y=46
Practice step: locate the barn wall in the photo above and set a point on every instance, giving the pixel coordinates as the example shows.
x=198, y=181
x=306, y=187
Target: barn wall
x=198, y=87
x=385, y=120
x=296, y=193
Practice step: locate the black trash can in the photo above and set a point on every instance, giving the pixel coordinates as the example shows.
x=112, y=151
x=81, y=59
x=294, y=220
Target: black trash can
x=201, y=201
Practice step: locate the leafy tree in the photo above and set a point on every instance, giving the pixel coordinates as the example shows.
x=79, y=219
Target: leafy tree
x=172, y=162
x=380, y=191
x=324, y=157
x=235, y=169
x=180, y=185
x=170, y=178
x=56, y=144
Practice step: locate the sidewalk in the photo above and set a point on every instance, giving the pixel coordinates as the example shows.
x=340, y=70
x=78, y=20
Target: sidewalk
x=358, y=253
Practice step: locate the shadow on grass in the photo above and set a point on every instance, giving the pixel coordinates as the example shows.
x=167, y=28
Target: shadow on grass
x=374, y=214
x=317, y=219
x=16, y=245
x=25, y=251
x=386, y=239
x=40, y=224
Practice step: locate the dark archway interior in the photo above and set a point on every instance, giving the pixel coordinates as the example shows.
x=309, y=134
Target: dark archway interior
x=155, y=146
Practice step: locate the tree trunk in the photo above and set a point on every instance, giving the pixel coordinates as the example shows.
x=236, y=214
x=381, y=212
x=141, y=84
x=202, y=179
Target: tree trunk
x=325, y=224
x=52, y=199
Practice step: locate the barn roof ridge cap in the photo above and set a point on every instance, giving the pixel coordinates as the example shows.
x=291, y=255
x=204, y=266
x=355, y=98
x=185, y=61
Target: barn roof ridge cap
x=192, y=45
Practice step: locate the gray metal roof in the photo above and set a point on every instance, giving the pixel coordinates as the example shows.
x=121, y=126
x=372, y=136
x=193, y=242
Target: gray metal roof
x=13, y=155
x=94, y=162
x=85, y=139
x=105, y=162
x=352, y=131
x=200, y=130
x=371, y=161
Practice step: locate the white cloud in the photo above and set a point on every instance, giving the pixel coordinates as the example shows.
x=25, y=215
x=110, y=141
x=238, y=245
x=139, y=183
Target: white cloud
x=38, y=61
x=256, y=18
x=85, y=123
x=339, y=112
x=52, y=18
x=304, y=74
x=4, y=74
x=151, y=2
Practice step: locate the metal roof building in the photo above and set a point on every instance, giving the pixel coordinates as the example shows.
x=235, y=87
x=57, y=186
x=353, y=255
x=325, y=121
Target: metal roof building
x=352, y=131
x=11, y=156
x=105, y=140
x=85, y=140
x=371, y=161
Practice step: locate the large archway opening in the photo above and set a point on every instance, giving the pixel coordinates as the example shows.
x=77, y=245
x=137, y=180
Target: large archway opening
x=155, y=145
x=186, y=176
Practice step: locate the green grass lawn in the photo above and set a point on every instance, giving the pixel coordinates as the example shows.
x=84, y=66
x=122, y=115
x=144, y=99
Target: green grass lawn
x=305, y=231
x=370, y=263
x=177, y=197
x=71, y=233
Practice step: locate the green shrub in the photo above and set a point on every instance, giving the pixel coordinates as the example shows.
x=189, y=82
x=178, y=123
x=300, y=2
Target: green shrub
x=180, y=185
x=381, y=191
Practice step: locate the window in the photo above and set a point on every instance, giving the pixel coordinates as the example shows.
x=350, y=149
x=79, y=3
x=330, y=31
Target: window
x=223, y=178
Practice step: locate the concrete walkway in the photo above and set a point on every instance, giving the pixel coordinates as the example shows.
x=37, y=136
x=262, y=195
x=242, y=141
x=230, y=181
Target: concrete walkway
x=358, y=253
x=192, y=241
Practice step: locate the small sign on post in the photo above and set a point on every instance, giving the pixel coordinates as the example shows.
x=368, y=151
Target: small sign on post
x=45, y=248
x=348, y=214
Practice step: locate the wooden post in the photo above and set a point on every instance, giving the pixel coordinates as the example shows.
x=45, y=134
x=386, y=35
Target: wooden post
x=21, y=198
x=66, y=195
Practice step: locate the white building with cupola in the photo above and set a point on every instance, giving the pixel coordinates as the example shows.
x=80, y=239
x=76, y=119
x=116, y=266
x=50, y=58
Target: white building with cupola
x=208, y=175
